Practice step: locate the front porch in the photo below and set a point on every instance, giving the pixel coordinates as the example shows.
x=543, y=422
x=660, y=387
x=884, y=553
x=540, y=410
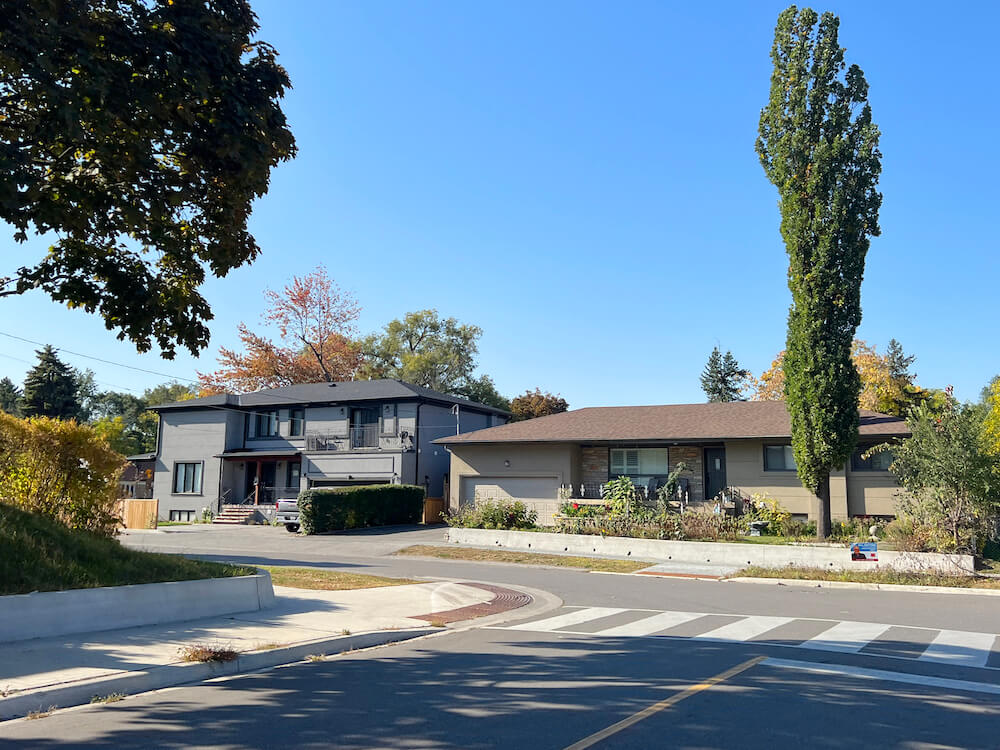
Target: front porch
x=256, y=480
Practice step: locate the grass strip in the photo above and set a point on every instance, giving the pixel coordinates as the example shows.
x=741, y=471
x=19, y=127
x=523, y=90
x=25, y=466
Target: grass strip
x=525, y=558
x=871, y=576
x=40, y=554
x=329, y=580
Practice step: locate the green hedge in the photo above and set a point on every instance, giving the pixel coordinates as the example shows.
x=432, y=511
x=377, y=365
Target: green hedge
x=335, y=508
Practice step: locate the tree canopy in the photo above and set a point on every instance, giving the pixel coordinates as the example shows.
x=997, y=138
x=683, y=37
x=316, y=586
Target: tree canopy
x=50, y=388
x=818, y=145
x=10, y=397
x=425, y=350
x=315, y=321
x=536, y=403
x=138, y=133
x=723, y=379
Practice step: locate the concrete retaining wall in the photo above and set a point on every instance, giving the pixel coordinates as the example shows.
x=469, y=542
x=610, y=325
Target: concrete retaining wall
x=51, y=613
x=719, y=553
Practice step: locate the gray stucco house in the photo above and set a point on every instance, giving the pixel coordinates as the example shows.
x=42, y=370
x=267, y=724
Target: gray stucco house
x=258, y=447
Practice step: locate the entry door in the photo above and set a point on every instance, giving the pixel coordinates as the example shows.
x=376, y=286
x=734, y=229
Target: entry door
x=715, y=472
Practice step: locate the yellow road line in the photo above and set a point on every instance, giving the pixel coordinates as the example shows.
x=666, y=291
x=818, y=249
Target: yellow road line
x=673, y=700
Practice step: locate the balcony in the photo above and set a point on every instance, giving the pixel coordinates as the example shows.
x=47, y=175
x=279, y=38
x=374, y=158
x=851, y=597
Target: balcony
x=362, y=438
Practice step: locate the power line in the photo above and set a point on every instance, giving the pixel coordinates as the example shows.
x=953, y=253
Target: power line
x=98, y=359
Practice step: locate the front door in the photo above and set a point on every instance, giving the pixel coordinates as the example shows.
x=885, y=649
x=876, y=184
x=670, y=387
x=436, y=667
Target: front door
x=715, y=472
x=265, y=493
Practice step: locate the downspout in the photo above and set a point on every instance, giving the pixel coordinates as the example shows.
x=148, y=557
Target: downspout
x=416, y=444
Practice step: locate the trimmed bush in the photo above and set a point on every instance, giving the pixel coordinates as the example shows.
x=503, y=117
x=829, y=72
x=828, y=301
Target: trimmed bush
x=494, y=514
x=337, y=508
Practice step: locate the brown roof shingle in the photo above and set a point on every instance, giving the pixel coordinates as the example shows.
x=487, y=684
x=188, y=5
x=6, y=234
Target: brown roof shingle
x=676, y=422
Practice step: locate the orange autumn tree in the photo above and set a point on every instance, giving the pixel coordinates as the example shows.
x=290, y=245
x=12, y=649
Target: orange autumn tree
x=315, y=321
x=881, y=389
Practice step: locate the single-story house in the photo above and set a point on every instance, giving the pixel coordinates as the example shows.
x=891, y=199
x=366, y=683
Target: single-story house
x=255, y=448
x=136, y=480
x=742, y=446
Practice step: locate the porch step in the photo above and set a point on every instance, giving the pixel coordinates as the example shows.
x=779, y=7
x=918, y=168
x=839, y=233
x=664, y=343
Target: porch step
x=235, y=514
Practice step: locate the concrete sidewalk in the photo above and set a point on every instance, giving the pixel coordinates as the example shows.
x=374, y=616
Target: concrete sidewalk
x=69, y=670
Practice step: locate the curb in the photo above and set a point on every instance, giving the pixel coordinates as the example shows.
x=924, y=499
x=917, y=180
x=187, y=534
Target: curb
x=900, y=587
x=171, y=675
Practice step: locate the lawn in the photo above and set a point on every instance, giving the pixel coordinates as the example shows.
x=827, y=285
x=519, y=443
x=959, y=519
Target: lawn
x=872, y=576
x=525, y=558
x=39, y=554
x=329, y=580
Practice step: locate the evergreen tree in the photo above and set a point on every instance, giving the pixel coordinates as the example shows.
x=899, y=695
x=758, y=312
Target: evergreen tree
x=50, y=388
x=10, y=397
x=899, y=363
x=723, y=378
x=819, y=147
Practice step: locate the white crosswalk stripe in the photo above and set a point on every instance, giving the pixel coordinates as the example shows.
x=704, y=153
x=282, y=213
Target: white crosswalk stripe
x=847, y=637
x=574, y=617
x=745, y=629
x=653, y=624
x=960, y=648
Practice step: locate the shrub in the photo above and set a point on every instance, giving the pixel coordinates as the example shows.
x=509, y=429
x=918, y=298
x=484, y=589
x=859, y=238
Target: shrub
x=336, y=508
x=583, y=510
x=62, y=470
x=494, y=514
x=798, y=528
x=621, y=497
x=711, y=526
x=763, y=508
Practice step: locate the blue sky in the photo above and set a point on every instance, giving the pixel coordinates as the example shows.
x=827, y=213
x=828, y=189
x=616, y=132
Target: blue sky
x=579, y=179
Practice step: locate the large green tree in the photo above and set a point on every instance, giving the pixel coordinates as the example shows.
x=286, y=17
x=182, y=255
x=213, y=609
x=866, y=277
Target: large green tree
x=536, y=403
x=723, y=379
x=425, y=350
x=50, y=388
x=137, y=133
x=483, y=390
x=819, y=146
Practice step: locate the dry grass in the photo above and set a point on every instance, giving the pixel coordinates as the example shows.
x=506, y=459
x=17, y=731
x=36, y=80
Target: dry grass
x=329, y=580
x=269, y=646
x=437, y=623
x=316, y=657
x=205, y=653
x=525, y=558
x=40, y=714
x=110, y=698
x=872, y=576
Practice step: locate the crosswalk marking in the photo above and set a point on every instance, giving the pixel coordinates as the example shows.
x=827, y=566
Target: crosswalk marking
x=958, y=647
x=653, y=624
x=848, y=637
x=570, y=618
x=745, y=629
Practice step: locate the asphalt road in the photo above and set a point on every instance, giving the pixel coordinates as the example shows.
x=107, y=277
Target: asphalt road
x=619, y=647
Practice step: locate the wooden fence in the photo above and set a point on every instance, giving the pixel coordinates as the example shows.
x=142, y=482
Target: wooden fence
x=433, y=507
x=139, y=514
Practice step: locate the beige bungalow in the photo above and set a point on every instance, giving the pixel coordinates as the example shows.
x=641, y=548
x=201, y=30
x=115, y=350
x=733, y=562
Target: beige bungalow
x=742, y=446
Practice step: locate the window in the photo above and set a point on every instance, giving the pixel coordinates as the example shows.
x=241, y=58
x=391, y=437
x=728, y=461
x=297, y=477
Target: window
x=296, y=422
x=187, y=478
x=293, y=475
x=637, y=462
x=874, y=462
x=266, y=423
x=779, y=458
x=182, y=515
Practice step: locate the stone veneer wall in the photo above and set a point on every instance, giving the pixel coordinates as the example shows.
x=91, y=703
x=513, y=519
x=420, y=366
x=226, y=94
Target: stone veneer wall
x=595, y=464
x=692, y=456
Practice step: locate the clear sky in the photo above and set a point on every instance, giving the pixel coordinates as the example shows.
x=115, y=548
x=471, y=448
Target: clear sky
x=579, y=179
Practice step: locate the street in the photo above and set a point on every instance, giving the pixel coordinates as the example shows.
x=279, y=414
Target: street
x=709, y=665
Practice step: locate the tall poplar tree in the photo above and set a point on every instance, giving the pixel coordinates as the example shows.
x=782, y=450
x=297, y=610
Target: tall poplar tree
x=819, y=146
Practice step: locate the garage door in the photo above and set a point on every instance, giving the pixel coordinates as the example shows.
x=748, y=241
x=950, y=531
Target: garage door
x=541, y=494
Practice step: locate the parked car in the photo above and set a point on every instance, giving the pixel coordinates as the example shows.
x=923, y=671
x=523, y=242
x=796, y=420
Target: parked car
x=287, y=512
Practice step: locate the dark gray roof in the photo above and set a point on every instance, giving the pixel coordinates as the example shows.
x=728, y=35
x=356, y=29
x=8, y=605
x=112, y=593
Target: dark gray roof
x=326, y=393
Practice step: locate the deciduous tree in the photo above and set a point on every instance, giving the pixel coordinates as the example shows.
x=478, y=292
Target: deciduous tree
x=315, y=322
x=536, y=403
x=138, y=133
x=483, y=390
x=425, y=350
x=819, y=146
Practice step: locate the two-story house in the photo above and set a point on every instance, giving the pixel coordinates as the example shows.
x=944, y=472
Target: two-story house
x=255, y=448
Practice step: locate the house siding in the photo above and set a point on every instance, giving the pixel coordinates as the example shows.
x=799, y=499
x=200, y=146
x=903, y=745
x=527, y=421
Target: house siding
x=191, y=436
